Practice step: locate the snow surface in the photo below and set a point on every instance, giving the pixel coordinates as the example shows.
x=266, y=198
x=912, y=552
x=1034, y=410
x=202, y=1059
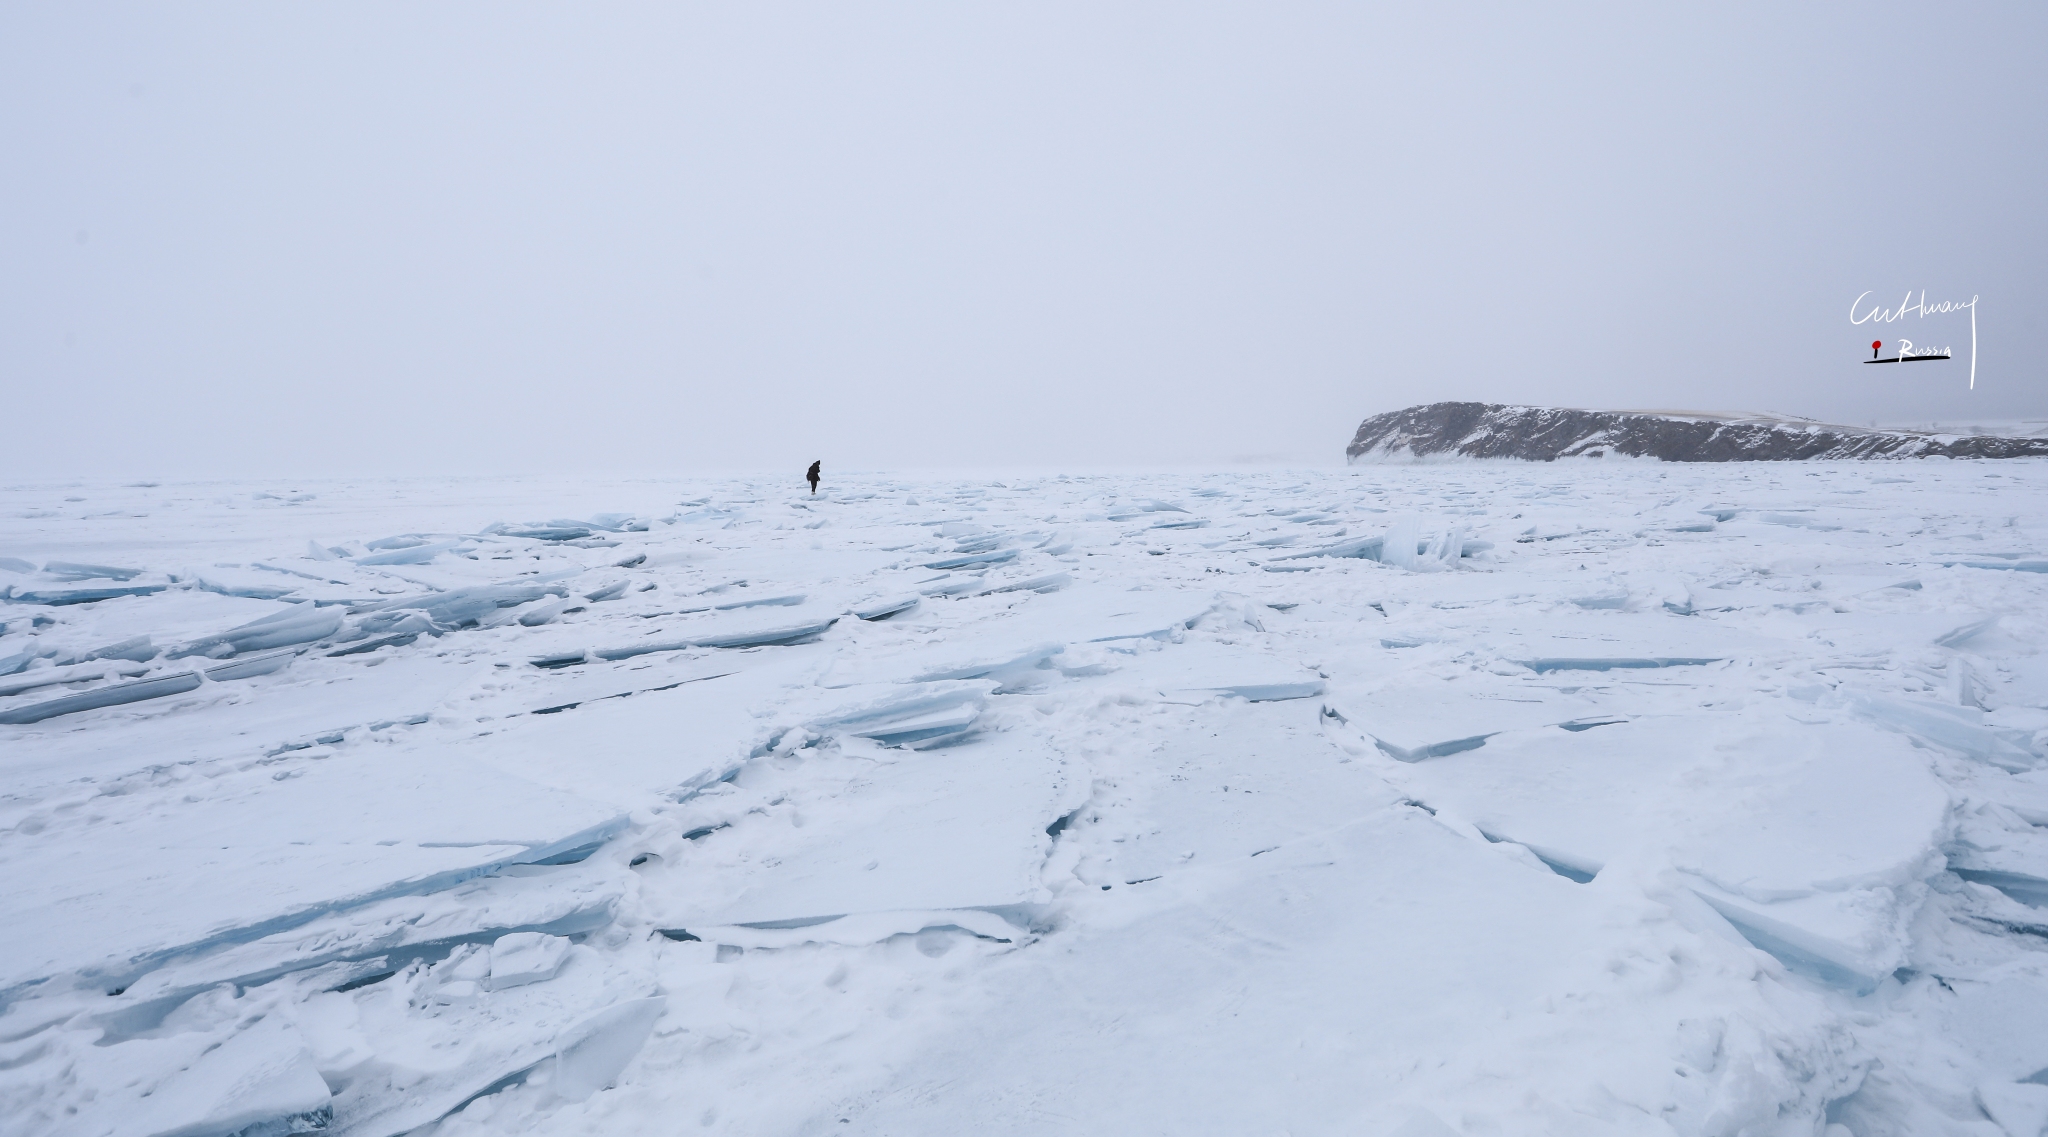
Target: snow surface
x=1474, y=799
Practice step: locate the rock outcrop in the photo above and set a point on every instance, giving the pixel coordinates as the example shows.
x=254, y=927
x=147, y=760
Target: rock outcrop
x=1544, y=434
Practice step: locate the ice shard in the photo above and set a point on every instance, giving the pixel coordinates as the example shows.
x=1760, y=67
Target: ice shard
x=411, y=555
x=301, y=623
x=115, y=695
x=61, y=596
x=67, y=570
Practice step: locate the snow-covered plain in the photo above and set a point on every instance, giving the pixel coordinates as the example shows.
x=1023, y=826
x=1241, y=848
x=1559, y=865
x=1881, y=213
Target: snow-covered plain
x=1578, y=799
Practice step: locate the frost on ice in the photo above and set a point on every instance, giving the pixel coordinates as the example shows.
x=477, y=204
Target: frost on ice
x=1461, y=799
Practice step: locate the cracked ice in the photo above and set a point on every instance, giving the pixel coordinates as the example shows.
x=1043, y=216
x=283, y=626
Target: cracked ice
x=1485, y=798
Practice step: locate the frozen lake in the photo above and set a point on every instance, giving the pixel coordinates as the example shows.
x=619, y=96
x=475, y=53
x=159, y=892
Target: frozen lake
x=1484, y=798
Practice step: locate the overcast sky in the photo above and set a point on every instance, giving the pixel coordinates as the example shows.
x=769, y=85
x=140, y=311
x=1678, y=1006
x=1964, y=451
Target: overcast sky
x=419, y=238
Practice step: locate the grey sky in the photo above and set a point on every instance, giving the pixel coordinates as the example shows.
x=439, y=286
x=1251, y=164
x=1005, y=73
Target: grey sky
x=477, y=237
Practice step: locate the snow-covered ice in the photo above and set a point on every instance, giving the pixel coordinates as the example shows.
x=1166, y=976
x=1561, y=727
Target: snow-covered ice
x=1477, y=798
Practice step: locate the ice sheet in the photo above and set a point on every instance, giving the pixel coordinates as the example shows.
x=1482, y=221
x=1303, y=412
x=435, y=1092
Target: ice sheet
x=1166, y=802
x=977, y=842
x=263, y=853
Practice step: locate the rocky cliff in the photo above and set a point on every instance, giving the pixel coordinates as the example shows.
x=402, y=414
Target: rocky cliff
x=1544, y=434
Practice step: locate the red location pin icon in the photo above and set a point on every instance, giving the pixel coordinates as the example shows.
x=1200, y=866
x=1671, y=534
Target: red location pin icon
x=1874, y=345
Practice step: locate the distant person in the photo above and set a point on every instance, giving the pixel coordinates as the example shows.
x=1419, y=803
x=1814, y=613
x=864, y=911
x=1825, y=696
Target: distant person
x=812, y=475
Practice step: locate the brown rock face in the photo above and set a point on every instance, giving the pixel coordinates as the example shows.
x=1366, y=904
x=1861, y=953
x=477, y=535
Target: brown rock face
x=1544, y=434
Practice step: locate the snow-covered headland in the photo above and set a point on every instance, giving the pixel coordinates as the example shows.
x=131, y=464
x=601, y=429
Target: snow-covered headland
x=1455, y=431
x=1489, y=798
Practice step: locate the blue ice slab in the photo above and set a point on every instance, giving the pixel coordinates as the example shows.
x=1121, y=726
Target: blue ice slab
x=57, y=596
x=137, y=649
x=1612, y=663
x=783, y=601
x=550, y=533
x=459, y=606
x=609, y=522
x=958, y=587
x=1051, y=582
x=980, y=544
x=779, y=635
x=67, y=570
x=245, y=591
x=1956, y=727
x=992, y=665
x=412, y=555
x=2015, y=566
x=1796, y=521
x=338, y=837
x=77, y=673
x=401, y=541
x=1963, y=631
x=913, y=720
x=2026, y=888
x=1783, y=943
x=390, y=624
x=16, y=564
x=1364, y=548
x=1374, y=548
x=299, y=624
x=705, y=516
x=110, y=696
x=994, y=557
x=873, y=610
x=253, y=666
x=760, y=602
x=1267, y=692
x=757, y=637
x=400, y=639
